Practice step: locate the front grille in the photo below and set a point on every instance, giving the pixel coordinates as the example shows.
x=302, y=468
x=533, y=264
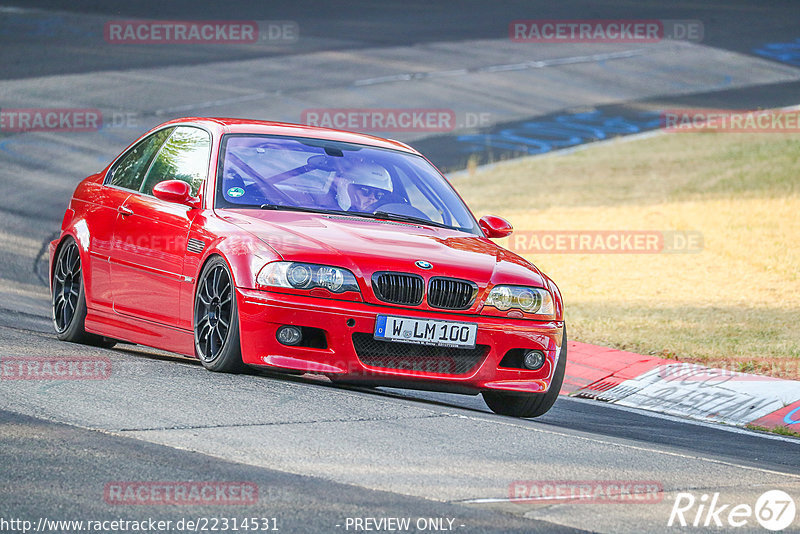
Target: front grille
x=398, y=288
x=422, y=358
x=451, y=294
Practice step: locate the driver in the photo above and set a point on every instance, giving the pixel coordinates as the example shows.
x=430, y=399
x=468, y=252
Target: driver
x=368, y=185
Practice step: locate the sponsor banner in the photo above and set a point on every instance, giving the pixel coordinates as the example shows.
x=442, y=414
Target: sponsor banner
x=686, y=389
x=687, y=372
x=678, y=388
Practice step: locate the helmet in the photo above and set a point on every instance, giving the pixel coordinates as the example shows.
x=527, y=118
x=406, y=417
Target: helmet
x=371, y=175
x=367, y=184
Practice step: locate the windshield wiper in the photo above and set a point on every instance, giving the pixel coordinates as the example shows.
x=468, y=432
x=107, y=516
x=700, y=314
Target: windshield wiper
x=377, y=215
x=409, y=218
x=282, y=207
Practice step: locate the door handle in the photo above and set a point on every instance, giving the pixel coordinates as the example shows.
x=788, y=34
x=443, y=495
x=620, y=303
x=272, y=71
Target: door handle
x=124, y=211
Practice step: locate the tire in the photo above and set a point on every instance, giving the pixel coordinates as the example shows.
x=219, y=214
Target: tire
x=531, y=405
x=216, y=319
x=68, y=299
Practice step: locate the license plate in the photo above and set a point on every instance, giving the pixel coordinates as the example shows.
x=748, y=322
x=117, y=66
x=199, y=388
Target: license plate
x=426, y=331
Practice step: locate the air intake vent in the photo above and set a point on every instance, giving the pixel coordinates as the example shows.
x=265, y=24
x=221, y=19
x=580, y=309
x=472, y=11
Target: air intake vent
x=451, y=294
x=421, y=358
x=364, y=220
x=195, y=245
x=398, y=288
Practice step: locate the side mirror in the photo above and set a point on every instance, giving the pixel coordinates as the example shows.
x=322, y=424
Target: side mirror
x=495, y=226
x=176, y=191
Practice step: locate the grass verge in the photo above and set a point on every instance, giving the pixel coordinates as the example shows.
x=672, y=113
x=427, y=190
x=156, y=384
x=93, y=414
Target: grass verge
x=734, y=304
x=782, y=430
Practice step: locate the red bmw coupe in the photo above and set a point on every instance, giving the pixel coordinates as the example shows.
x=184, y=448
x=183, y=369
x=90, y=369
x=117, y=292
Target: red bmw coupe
x=299, y=249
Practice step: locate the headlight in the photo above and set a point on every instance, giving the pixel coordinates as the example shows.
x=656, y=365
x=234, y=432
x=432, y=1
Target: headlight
x=296, y=275
x=531, y=300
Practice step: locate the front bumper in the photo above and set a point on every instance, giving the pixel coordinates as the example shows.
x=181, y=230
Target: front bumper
x=261, y=313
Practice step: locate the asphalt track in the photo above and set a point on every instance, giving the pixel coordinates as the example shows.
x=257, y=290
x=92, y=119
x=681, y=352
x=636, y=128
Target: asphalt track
x=319, y=453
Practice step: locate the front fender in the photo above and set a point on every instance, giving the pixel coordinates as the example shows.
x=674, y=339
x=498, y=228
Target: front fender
x=557, y=299
x=245, y=255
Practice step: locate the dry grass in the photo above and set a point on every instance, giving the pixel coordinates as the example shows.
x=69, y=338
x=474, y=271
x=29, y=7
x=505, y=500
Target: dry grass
x=782, y=430
x=736, y=304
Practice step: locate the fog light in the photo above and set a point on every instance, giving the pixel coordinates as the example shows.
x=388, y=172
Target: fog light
x=289, y=335
x=533, y=360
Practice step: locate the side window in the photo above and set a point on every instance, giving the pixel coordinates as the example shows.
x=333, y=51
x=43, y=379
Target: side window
x=129, y=171
x=183, y=157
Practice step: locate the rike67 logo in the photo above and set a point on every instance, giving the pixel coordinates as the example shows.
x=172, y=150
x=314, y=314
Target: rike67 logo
x=774, y=510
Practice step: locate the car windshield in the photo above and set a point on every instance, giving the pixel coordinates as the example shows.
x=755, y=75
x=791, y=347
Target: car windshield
x=269, y=172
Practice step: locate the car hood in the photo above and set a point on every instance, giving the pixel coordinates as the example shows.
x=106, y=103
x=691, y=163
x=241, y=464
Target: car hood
x=366, y=246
